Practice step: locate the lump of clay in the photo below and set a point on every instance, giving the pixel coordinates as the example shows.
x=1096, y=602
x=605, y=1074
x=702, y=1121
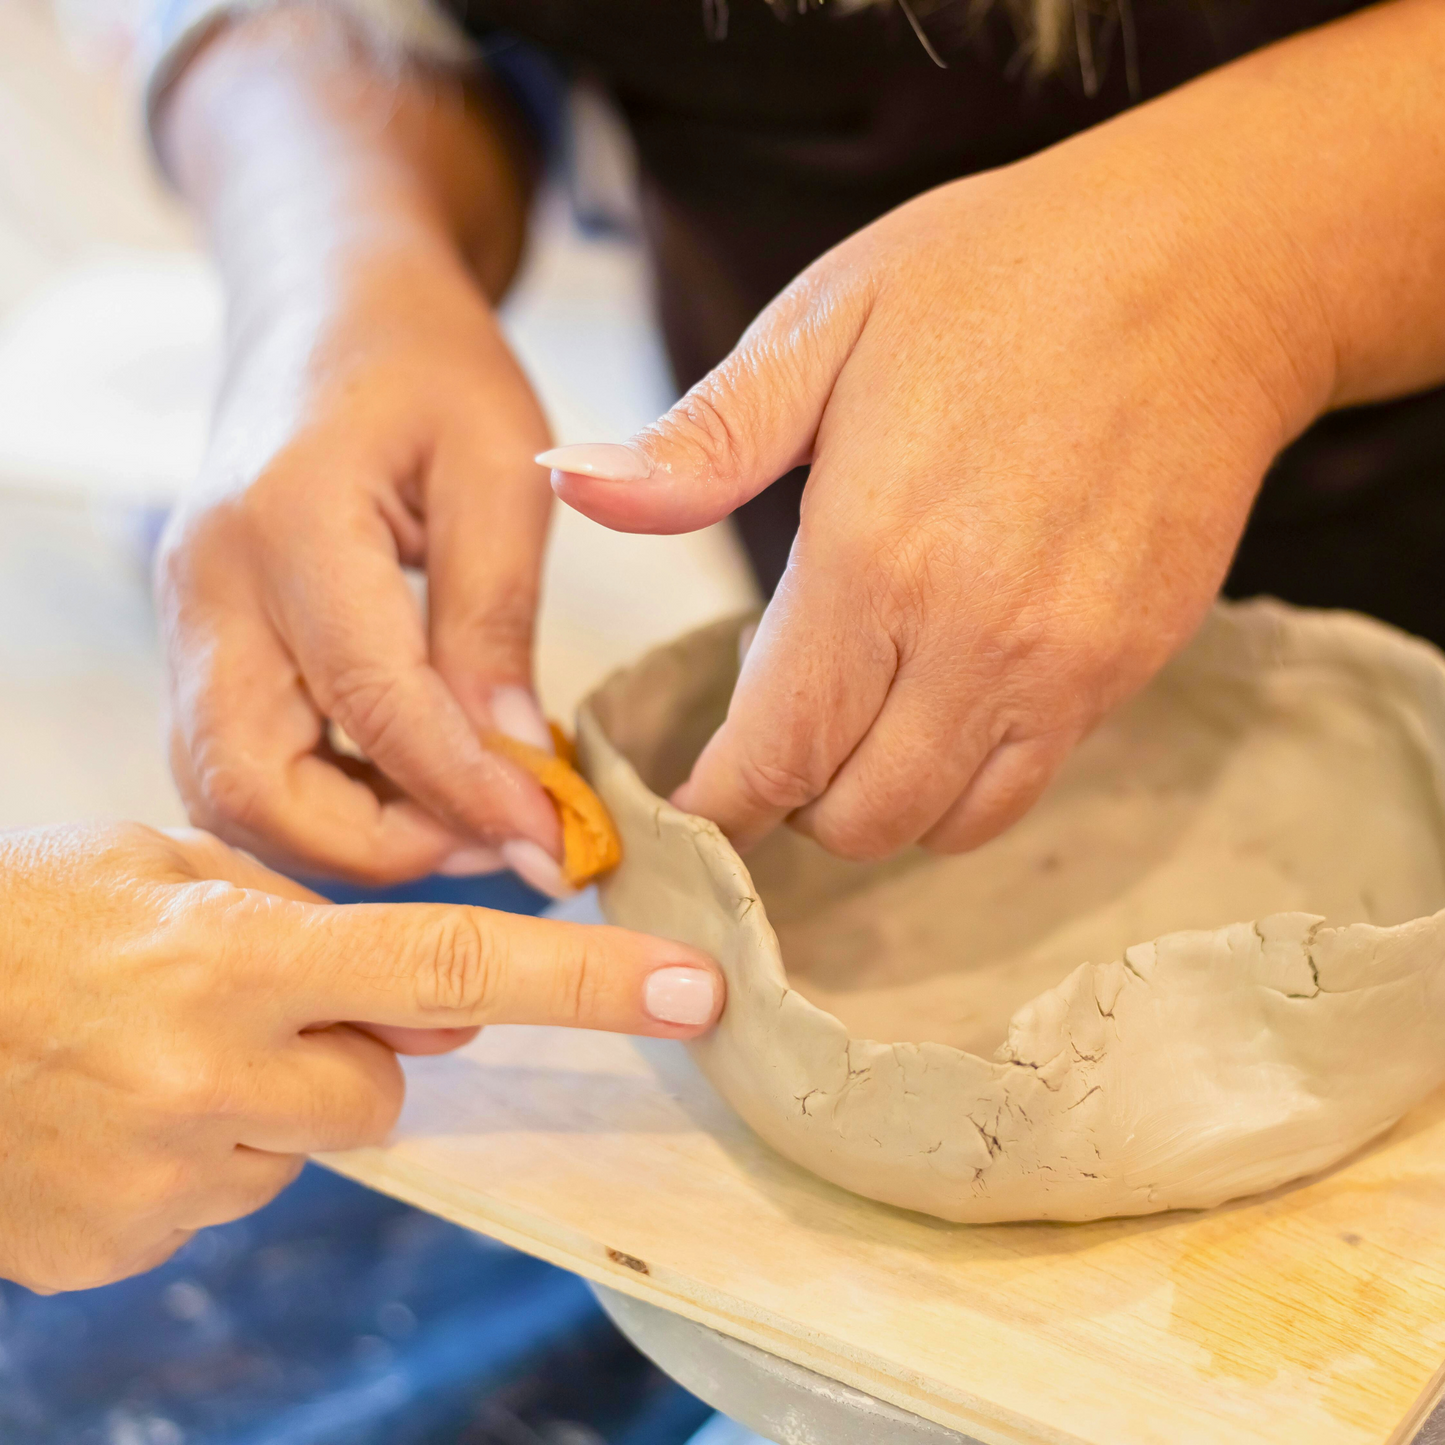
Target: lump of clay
x=590, y=844
x=1208, y=962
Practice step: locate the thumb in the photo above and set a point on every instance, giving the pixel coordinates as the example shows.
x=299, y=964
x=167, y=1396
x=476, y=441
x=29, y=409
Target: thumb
x=752, y=419
x=433, y=966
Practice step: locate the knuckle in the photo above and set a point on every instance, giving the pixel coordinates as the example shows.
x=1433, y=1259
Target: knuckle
x=963, y=830
x=502, y=626
x=368, y=702
x=701, y=422
x=856, y=838
x=186, y=1087
x=197, y=853
x=120, y=843
x=229, y=795
x=771, y=784
x=582, y=983
x=269, y=505
x=879, y=806
x=461, y=967
x=203, y=542
x=904, y=569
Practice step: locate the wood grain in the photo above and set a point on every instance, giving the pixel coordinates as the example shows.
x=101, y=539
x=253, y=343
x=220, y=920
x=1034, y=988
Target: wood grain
x=1316, y=1314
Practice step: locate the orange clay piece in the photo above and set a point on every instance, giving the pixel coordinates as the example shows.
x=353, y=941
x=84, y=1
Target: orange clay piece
x=590, y=844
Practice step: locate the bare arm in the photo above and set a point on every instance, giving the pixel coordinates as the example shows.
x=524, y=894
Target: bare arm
x=1310, y=178
x=298, y=145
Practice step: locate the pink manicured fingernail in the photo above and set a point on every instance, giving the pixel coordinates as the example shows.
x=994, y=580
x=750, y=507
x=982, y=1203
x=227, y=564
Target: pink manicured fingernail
x=468, y=862
x=679, y=995
x=606, y=461
x=515, y=712
x=533, y=864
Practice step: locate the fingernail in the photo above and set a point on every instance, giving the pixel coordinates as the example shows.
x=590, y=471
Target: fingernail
x=604, y=460
x=680, y=995
x=515, y=712
x=468, y=862
x=533, y=864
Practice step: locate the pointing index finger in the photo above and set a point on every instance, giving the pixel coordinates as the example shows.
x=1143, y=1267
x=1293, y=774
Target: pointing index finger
x=428, y=966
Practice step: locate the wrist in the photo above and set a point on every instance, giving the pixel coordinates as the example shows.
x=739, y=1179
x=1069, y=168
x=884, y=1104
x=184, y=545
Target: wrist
x=298, y=149
x=1311, y=170
x=1222, y=284
x=311, y=342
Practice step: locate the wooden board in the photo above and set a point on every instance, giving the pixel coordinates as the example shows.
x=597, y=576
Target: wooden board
x=1313, y=1315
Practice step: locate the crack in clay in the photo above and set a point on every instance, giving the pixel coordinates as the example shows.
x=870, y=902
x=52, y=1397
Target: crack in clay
x=1246, y=814
x=1309, y=952
x=1037, y=1070
x=990, y=1140
x=1306, y=947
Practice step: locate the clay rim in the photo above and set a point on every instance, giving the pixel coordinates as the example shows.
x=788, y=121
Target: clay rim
x=1289, y=636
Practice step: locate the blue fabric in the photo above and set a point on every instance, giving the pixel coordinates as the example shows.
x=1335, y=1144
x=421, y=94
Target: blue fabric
x=336, y=1316
x=504, y=891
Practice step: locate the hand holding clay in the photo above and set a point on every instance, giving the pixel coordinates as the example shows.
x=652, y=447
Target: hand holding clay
x=169, y=1050
x=1037, y=405
x=372, y=419
x=286, y=605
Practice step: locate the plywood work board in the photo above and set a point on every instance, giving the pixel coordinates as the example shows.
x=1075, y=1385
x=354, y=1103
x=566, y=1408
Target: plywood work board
x=1313, y=1315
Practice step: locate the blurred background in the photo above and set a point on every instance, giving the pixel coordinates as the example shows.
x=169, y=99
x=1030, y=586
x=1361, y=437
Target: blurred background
x=335, y=1315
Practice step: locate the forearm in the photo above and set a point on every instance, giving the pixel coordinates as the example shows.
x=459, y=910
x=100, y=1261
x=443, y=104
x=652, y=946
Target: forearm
x=1309, y=177
x=304, y=156
x=351, y=202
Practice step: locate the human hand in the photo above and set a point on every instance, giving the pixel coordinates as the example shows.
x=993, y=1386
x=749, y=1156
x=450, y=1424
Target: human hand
x=371, y=418
x=168, y=1044
x=1037, y=405
x=385, y=427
